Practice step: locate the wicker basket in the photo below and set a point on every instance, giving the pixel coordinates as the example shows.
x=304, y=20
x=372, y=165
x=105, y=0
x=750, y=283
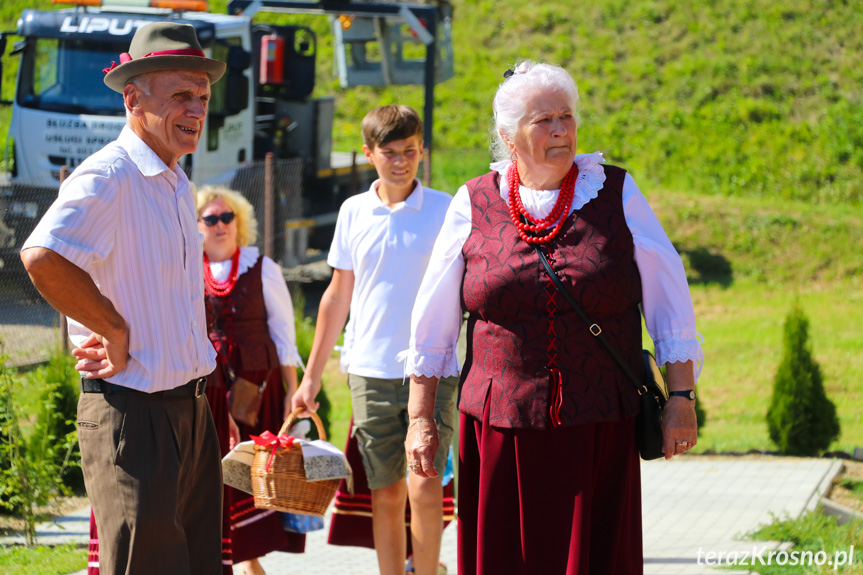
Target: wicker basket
x=284, y=487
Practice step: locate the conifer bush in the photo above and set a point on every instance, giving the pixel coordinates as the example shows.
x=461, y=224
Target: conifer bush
x=801, y=418
x=305, y=337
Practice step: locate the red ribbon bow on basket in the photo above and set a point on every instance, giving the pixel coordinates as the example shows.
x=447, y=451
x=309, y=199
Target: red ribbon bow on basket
x=267, y=439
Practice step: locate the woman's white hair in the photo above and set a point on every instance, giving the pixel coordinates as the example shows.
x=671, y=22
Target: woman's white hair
x=510, y=101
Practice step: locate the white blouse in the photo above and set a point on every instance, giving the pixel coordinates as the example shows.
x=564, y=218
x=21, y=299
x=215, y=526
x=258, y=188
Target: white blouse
x=669, y=315
x=277, y=300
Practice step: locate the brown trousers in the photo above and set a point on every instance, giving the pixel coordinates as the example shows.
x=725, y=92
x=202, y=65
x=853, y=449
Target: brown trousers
x=153, y=473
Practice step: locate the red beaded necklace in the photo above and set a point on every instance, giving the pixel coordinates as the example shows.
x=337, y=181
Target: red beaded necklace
x=548, y=226
x=216, y=287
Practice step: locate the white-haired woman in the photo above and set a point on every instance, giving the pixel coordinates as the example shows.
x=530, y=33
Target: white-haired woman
x=251, y=319
x=549, y=471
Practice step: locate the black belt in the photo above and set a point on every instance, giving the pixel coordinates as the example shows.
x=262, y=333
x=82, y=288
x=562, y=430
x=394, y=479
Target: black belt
x=194, y=388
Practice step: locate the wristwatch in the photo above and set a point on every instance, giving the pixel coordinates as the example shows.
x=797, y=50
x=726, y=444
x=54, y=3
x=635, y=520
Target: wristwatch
x=688, y=394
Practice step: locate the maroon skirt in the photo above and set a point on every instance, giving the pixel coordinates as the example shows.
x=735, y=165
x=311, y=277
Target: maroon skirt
x=563, y=500
x=218, y=401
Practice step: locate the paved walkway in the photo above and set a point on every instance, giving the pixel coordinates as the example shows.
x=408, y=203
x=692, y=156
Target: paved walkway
x=705, y=504
x=691, y=505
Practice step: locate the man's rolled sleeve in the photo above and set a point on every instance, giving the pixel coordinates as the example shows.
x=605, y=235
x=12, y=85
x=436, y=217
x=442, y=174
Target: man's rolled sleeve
x=81, y=223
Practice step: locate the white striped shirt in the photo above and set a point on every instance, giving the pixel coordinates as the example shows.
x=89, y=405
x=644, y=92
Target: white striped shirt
x=130, y=222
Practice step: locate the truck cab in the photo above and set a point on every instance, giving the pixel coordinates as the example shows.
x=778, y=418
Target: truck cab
x=63, y=112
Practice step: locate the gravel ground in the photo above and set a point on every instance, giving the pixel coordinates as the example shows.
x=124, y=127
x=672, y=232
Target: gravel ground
x=28, y=329
x=853, y=470
x=59, y=507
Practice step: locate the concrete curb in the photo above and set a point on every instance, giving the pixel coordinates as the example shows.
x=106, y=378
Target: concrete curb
x=843, y=514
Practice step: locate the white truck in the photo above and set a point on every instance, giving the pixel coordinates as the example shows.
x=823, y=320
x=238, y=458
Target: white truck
x=62, y=112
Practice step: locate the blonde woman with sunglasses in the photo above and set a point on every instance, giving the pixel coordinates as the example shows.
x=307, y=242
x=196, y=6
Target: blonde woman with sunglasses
x=251, y=324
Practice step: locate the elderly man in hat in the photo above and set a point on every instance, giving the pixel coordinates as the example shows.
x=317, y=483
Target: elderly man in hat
x=119, y=253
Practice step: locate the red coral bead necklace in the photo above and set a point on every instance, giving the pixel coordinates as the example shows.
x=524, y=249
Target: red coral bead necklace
x=216, y=287
x=548, y=226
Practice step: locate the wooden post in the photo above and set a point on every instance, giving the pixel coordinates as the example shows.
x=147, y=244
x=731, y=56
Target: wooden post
x=427, y=173
x=431, y=23
x=355, y=175
x=64, y=329
x=269, y=182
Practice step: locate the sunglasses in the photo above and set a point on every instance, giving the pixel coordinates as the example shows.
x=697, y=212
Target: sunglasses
x=211, y=221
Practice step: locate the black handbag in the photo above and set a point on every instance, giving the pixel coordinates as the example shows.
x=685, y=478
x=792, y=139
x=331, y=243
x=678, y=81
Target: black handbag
x=652, y=389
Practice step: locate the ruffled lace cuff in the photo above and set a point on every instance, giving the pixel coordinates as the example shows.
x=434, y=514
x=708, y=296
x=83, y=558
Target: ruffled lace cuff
x=290, y=356
x=429, y=363
x=680, y=349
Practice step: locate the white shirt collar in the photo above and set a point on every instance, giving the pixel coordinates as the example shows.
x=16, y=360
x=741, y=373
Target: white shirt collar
x=148, y=162
x=248, y=258
x=591, y=178
x=414, y=201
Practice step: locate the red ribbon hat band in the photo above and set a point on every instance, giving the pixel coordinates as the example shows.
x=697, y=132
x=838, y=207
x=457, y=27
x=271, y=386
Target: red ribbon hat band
x=126, y=57
x=161, y=46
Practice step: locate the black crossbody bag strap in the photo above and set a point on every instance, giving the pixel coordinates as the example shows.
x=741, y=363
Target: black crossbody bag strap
x=594, y=328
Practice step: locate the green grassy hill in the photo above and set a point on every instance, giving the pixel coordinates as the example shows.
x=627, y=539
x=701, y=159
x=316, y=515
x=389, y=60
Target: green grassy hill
x=736, y=97
x=742, y=97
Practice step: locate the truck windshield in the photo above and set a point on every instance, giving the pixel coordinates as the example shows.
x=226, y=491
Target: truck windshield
x=66, y=76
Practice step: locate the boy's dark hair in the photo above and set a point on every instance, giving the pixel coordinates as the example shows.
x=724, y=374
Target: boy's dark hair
x=385, y=124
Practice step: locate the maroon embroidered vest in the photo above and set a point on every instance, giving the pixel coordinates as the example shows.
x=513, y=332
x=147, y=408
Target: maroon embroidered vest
x=239, y=324
x=519, y=326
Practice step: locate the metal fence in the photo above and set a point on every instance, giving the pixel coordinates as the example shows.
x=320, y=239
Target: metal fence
x=28, y=325
x=30, y=328
x=274, y=187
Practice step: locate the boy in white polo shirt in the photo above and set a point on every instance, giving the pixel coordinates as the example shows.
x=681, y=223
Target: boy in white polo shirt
x=383, y=241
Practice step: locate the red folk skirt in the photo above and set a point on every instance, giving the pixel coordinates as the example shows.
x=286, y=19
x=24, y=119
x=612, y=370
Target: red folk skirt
x=256, y=532
x=565, y=500
x=351, y=524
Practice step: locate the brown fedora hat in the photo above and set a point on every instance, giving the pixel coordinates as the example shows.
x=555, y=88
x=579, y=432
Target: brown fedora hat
x=162, y=46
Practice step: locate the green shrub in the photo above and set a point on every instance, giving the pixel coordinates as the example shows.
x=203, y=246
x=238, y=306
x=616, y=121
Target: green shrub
x=29, y=478
x=813, y=532
x=55, y=421
x=801, y=418
x=305, y=337
x=700, y=415
x=324, y=410
x=8, y=435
